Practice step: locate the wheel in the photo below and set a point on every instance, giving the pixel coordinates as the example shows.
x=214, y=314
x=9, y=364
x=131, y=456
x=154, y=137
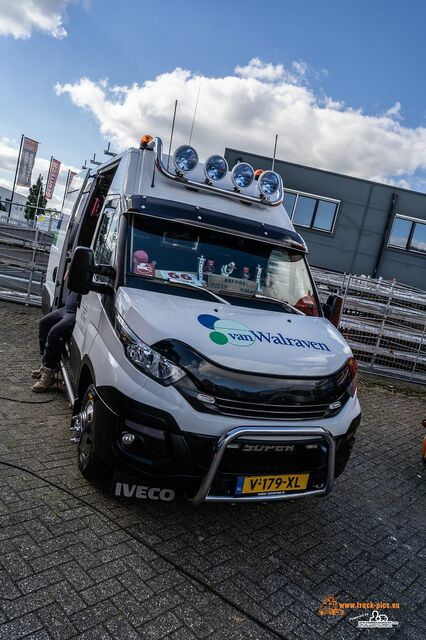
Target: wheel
x=88, y=462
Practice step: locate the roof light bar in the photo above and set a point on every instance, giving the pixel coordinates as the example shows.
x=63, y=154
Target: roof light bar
x=180, y=177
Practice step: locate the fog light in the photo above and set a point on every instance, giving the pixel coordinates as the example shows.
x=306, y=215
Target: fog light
x=203, y=397
x=335, y=405
x=127, y=438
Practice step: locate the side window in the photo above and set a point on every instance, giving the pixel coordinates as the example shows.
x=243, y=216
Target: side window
x=106, y=240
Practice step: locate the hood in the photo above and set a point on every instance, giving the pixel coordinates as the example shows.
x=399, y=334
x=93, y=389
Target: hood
x=251, y=340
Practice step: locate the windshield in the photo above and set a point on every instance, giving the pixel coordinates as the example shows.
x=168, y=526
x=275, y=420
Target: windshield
x=232, y=267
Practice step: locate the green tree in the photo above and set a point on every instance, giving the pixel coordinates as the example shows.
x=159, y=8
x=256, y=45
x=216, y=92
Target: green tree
x=36, y=201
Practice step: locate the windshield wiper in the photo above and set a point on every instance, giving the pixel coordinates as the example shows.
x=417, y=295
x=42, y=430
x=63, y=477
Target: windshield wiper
x=260, y=296
x=193, y=287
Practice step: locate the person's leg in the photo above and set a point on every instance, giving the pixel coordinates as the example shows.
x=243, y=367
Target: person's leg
x=45, y=325
x=56, y=338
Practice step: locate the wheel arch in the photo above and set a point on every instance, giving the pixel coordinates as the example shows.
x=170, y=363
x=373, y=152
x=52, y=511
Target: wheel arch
x=86, y=376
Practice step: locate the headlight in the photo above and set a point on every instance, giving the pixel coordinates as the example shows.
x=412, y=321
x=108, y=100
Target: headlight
x=242, y=175
x=145, y=358
x=185, y=158
x=353, y=372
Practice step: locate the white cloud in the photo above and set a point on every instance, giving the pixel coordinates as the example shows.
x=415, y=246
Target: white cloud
x=9, y=150
x=246, y=111
x=394, y=111
x=19, y=18
x=260, y=70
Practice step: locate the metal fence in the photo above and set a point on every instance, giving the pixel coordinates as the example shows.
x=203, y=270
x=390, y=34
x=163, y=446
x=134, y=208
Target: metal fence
x=384, y=323
x=24, y=253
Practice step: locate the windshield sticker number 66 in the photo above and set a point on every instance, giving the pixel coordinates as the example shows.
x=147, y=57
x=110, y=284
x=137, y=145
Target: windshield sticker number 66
x=181, y=276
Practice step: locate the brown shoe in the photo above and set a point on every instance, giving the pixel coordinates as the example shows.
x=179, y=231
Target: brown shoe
x=37, y=373
x=47, y=379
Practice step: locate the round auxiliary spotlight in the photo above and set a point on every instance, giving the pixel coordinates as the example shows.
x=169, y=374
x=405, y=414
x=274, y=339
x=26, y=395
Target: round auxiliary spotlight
x=215, y=168
x=269, y=183
x=242, y=175
x=185, y=158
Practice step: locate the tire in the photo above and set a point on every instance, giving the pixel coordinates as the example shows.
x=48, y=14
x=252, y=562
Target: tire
x=90, y=465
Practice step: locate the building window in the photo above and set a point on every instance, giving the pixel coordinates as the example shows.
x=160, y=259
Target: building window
x=324, y=215
x=289, y=200
x=401, y=232
x=311, y=211
x=408, y=234
x=304, y=211
x=418, y=239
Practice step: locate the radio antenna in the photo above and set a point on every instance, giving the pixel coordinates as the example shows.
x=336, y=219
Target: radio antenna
x=195, y=113
x=275, y=151
x=171, y=135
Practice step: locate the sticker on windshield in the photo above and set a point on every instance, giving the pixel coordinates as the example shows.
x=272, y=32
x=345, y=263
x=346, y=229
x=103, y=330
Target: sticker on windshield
x=182, y=277
x=142, y=265
x=216, y=282
x=146, y=269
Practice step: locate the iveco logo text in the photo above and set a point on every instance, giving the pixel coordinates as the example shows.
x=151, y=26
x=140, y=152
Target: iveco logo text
x=143, y=493
x=233, y=332
x=281, y=448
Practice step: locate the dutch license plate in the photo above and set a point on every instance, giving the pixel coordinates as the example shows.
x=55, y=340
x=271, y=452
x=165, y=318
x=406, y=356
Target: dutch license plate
x=271, y=484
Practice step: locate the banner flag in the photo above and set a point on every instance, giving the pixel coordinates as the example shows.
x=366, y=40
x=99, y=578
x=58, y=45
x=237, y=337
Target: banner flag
x=71, y=175
x=55, y=167
x=26, y=163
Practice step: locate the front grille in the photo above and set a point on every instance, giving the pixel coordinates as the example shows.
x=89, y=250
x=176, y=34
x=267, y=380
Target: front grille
x=300, y=459
x=242, y=409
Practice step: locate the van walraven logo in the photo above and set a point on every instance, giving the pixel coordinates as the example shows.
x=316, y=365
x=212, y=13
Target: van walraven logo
x=236, y=333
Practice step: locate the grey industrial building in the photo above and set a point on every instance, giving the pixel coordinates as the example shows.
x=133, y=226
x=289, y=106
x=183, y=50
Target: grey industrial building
x=17, y=210
x=353, y=225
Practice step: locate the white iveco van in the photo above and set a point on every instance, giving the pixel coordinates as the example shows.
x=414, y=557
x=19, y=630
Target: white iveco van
x=202, y=361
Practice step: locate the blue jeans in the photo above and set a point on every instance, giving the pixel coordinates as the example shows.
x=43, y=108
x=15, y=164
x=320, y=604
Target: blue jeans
x=54, y=330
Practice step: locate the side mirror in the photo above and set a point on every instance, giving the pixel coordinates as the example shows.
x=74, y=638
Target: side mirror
x=333, y=309
x=81, y=270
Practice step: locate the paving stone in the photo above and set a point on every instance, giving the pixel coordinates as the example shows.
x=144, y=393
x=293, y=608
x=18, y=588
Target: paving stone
x=56, y=621
x=99, y=613
x=121, y=629
x=19, y=627
x=39, y=580
x=160, y=627
x=27, y=603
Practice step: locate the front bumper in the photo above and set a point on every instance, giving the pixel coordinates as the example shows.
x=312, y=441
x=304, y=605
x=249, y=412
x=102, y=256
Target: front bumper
x=286, y=433
x=207, y=468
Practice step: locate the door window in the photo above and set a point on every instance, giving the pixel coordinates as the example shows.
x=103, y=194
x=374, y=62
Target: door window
x=106, y=240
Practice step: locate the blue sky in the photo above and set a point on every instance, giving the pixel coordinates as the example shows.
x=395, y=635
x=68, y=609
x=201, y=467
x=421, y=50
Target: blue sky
x=363, y=57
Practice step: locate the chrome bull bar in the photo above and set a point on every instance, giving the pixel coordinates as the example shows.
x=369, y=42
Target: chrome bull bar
x=203, y=493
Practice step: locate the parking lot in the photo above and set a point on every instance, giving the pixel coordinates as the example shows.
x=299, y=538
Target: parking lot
x=76, y=563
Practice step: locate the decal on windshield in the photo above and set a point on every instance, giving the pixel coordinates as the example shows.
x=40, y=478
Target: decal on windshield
x=218, y=283
x=180, y=276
